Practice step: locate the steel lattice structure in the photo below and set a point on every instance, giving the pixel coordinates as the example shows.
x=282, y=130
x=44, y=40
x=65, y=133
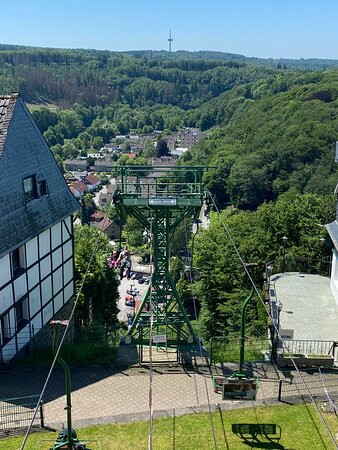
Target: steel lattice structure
x=160, y=198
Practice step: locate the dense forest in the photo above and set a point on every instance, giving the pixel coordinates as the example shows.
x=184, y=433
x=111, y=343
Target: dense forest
x=271, y=127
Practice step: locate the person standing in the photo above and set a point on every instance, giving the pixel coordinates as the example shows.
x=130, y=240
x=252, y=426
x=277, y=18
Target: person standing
x=125, y=263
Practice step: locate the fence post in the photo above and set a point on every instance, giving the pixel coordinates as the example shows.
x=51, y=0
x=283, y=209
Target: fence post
x=33, y=345
x=211, y=353
x=105, y=344
x=280, y=390
x=42, y=419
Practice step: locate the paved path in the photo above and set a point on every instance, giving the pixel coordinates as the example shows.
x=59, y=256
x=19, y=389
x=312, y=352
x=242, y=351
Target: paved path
x=102, y=396
x=126, y=284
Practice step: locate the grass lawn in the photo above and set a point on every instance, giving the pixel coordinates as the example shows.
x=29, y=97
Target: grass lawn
x=300, y=425
x=301, y=430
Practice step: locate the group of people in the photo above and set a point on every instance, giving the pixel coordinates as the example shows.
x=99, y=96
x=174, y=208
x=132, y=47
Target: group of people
x=121, y=259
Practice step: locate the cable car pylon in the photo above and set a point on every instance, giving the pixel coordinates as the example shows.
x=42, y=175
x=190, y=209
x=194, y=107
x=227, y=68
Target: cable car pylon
x=160, y=202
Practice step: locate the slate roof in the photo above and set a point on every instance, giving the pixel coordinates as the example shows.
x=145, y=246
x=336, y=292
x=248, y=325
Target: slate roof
x=24, y=153
x=332, y=229
x=77, y=162
x=105, y=162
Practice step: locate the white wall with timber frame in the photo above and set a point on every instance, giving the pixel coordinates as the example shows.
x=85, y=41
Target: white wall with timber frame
x=36, y=280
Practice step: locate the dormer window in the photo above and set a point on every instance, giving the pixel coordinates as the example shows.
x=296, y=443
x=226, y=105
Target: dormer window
x=29, y=188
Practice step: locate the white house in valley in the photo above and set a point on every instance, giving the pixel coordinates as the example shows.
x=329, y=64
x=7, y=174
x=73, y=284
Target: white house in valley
x=36, y=231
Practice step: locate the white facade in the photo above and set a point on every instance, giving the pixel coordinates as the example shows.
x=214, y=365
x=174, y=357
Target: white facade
x=36, y=280
x=334, y=275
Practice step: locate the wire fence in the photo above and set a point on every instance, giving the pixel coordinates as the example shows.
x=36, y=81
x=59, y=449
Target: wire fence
x=16, y=413
x=226, y=350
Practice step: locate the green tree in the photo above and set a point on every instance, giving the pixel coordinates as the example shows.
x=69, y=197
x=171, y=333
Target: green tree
x=87, y=208
x=134, y=232
x=97, y=142
x=223, y=285
x=162, y=148
x=149, y=151
x=44, y=118
x=100, y=290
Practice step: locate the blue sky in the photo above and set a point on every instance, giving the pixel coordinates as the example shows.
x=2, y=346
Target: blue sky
x=262, y=28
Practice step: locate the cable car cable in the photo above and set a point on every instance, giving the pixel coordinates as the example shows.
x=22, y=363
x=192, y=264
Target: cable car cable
x=200, y=346
x=151, y=409
x=272, y=321
x=61, y=342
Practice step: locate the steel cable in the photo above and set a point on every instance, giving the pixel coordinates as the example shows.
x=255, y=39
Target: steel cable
x=60, y=343
x=272, y=321
x=200, y=345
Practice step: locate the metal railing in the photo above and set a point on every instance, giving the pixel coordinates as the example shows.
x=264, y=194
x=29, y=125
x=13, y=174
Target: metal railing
x=309, y=347
x=18, y=412
x=227, y=349
x=303, y=264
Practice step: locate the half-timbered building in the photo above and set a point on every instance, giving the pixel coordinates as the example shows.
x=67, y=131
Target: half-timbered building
x=36, y=234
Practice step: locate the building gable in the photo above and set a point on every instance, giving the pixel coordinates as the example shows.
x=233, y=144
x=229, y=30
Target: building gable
x=24, y=153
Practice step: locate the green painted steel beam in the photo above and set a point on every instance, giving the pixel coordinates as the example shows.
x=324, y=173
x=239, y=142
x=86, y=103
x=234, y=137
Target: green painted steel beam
x=167, y=200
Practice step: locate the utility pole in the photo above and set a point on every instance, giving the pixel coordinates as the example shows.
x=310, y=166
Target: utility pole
x=170, y=39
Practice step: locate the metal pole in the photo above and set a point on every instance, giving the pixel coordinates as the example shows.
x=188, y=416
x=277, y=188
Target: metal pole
x=42, y=420
x=65, y=367
x=280, y=390
x=242, y=349
x=197, y=222
x=33, y=343
x=105, y=343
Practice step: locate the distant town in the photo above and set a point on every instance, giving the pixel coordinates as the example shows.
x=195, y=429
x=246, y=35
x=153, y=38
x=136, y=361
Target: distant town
x=92, y=174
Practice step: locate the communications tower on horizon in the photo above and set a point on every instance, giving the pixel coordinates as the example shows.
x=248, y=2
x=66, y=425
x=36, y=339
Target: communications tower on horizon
x=170, y=39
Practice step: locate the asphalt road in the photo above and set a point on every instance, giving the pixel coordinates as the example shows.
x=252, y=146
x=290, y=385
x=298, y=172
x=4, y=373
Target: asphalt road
x=128, y=284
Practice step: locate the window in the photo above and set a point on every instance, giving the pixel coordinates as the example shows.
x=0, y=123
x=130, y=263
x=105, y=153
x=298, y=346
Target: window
x=18, y=261
x=21, y=312
x=42, y=188
x=29, y=188
x=5, y=329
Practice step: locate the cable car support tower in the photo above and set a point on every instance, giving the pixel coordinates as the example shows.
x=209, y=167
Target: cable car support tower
x=160, y=202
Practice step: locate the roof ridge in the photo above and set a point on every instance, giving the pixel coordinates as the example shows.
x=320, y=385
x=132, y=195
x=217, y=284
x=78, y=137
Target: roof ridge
x=7, y=103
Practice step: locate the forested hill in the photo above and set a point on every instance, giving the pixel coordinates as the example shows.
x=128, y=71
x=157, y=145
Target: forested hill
x=94, y=77
x=285, y=63
x=270, y=128
x=273, y=135
x=184, y=79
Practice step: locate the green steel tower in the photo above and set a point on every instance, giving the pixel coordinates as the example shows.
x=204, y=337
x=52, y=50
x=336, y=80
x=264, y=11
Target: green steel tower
x=160, y=198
